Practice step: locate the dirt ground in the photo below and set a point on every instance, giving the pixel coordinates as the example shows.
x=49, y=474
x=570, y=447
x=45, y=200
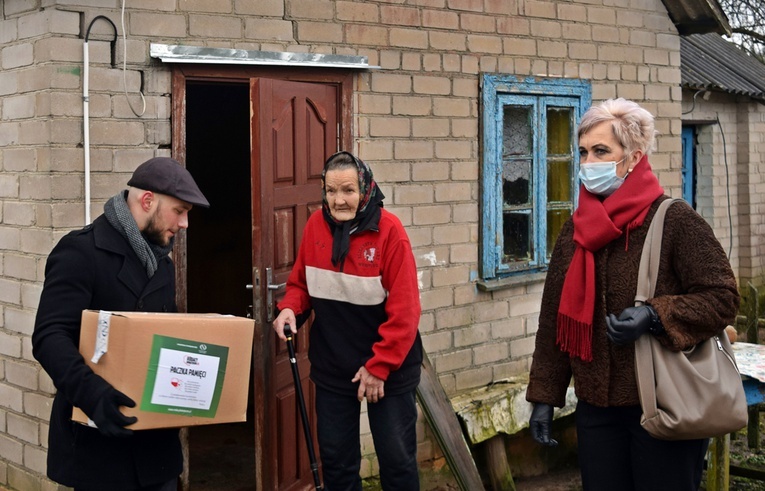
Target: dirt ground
x=743, y=456
x=567, y=479
x=559, y=480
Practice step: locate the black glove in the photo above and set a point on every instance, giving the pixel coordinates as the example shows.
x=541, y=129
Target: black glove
x=632, y=323
x=108, y=417
x=540, y=424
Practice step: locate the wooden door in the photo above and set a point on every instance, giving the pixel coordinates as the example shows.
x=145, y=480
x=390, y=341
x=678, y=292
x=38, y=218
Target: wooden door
x=294, y=129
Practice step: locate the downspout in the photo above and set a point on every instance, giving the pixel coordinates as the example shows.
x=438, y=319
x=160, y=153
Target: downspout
x=85, y=108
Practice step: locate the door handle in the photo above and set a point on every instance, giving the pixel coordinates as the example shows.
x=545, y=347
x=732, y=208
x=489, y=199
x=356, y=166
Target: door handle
x=255, y=308
x=250, y=308
x=270, y=289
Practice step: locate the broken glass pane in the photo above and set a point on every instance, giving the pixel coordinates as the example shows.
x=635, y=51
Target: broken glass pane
x=516, y=227
x=515, y=182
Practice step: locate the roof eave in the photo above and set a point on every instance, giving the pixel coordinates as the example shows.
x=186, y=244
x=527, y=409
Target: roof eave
x=698, y=16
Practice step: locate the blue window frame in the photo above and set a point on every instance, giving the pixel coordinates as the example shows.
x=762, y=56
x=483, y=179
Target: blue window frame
x=528, y=169
x=689, y=165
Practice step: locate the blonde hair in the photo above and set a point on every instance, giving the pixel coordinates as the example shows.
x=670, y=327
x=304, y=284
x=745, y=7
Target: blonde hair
x=633, y=126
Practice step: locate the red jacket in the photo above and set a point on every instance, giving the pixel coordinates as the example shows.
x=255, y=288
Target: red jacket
x=367, y=310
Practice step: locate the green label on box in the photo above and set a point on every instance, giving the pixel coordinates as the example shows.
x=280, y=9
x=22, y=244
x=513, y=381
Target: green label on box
x=185, y=377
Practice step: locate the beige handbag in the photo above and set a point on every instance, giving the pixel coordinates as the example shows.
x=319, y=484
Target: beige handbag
x=691, y=394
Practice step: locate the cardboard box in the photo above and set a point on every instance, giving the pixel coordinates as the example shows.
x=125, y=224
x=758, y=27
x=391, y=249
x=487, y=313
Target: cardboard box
x=180, y=369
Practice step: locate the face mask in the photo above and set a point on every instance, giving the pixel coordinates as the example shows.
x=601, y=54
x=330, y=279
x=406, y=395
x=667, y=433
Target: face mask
x=600, y=178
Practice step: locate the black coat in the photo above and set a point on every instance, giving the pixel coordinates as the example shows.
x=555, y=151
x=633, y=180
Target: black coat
x=95, y=268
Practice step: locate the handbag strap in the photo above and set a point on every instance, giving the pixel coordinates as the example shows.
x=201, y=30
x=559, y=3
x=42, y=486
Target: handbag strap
x=649, y=259
x=646, y=286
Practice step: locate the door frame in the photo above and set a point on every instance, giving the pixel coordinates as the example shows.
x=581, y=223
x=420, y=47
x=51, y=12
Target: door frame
x=263, y=343
x=688, y=137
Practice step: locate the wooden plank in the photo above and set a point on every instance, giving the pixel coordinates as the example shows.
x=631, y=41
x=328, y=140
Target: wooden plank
x=498, y=468
x=442, y=419
x=747, y=472
x=718, y=476
x=752, y=336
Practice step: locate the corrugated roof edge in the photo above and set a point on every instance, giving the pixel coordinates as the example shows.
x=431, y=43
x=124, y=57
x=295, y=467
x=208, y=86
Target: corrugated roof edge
x=710, y=62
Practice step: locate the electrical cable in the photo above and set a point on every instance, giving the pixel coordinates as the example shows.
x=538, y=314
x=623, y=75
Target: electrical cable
x=694, y=101
x=124, y=68
x=113, y=42
x=727, y=172
x=727, y=186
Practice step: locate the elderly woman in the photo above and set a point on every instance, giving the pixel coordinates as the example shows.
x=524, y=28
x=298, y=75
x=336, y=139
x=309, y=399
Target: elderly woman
x=588, y=322
x=356, y=270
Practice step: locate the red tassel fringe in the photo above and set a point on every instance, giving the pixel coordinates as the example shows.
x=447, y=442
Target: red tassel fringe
x=574, y=337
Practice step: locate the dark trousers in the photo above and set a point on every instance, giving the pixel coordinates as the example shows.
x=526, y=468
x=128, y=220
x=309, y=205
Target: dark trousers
x=392, y=421
x=616, y=453
x=168, y=486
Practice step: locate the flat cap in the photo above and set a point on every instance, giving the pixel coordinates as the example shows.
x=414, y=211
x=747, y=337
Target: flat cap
x=167, y=176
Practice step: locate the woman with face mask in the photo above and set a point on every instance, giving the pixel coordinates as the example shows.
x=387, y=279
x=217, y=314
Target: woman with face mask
x=588, y=323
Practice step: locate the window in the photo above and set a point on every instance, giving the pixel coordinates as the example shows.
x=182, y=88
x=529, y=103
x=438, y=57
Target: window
x=529, y=169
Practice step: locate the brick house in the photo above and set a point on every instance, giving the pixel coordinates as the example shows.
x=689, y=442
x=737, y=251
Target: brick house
x=723, y=121
x=465, y=109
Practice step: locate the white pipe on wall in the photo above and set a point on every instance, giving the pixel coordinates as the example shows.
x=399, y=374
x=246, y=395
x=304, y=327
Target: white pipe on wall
x=86, y=128
x=85, y=106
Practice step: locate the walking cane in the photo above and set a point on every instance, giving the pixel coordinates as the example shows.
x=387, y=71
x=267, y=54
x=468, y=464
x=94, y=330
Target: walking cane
x=301, y=405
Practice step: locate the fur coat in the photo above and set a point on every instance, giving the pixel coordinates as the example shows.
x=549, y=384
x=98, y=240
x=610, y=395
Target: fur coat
x=696, y=297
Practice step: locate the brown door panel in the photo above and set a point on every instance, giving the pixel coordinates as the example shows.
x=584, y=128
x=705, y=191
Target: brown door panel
x=294, y=130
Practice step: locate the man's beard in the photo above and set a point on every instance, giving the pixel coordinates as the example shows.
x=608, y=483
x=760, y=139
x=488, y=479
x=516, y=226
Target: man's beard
x=154, y=234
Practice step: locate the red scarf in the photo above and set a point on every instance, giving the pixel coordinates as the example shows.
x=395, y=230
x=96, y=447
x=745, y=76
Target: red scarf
x=596, y=224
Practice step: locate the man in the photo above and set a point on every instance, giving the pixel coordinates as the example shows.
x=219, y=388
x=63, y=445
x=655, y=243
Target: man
x=119, y=262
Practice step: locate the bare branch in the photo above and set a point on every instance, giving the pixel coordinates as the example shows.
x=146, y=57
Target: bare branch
x=747, y=21
x=752, y=34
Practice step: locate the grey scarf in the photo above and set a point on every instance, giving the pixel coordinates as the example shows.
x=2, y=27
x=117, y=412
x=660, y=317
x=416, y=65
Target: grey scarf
x=119, y=216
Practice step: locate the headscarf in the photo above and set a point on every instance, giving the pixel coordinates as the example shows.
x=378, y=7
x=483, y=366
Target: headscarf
x=596, y=223
x=367, y=214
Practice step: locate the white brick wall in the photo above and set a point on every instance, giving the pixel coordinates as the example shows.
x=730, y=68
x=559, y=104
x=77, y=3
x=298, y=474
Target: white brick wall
x=415, y=121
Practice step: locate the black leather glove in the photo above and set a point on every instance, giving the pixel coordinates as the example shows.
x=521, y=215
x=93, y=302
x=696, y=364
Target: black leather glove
x=540, y=424
x=632, y=323
x=108, y=417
